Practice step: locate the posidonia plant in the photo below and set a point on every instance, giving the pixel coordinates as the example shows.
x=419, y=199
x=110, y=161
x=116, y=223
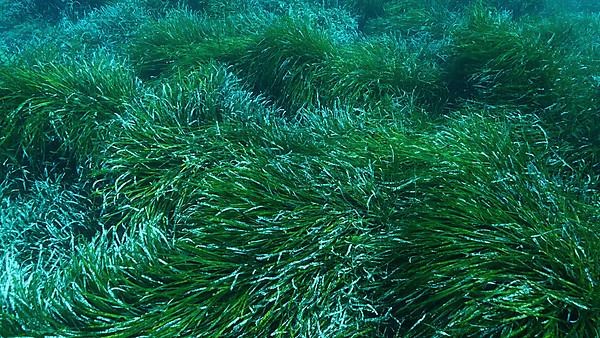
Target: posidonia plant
x=56, y=113
x=303, y=169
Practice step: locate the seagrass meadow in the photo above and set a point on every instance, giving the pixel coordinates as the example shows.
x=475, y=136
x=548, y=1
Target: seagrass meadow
x=300, y=168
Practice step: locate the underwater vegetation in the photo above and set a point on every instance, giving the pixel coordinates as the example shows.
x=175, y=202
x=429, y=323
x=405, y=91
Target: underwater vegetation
x=300, y=168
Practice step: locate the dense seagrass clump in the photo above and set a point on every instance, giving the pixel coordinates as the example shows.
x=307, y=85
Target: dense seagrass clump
x=497, y=246
x=56, y=113
x=302, y=169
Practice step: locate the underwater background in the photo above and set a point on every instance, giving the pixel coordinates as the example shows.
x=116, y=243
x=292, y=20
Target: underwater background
x=300, y=168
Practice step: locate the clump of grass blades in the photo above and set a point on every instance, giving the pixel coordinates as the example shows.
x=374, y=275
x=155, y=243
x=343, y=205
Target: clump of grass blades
x=39, y=231
x=372, y=72
x=34, y=307
x=283, y=62
x=495, y=246
x=186, y=39
x=57, y=113
x=302, y=66
x=186, y=126
x=44, y=222
x=574, y=117
x=244, y=270
x=412, y=17
x=491, y=60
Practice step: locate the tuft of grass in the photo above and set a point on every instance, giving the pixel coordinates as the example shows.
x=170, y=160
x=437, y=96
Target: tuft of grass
x=574, y=118
x=253, y=231
x=41, y=226
x=491, y=60
x=183, y=127
x=107, y=28
x=413, y=17
x=295, y=61
x=56, y=113
x=283, y=61
x=373, y=72
x=301, y=66
x=186, y=39
x=33, y=305
x=494, y=246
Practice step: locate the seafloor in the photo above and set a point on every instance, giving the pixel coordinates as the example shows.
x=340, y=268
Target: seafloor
x=309, y=168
